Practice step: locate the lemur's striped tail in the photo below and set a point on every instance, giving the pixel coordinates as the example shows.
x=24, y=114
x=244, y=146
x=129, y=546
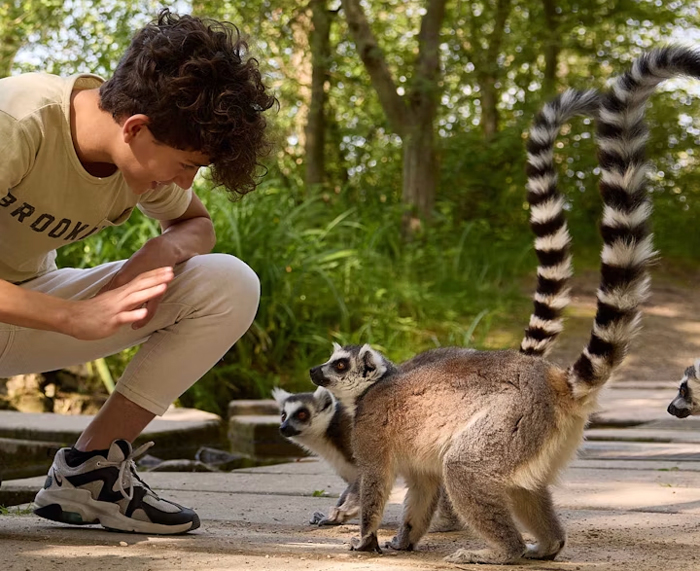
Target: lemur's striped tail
x=547, y=218
x=627, y=242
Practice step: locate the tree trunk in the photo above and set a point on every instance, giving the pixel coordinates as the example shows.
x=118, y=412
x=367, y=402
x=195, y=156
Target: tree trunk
x=316, y=121
x=419, y=171
x=551, y=49
x=9, y=46
x=411, y=117
x=489, y=72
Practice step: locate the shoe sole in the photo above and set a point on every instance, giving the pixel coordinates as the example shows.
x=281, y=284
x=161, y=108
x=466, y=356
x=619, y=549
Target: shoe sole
x=76, y=507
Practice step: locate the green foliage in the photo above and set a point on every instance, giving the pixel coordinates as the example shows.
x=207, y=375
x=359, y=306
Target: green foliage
x=336, y=270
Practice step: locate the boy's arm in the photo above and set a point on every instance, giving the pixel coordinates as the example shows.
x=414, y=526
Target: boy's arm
x=184, y=237
x=94, y=318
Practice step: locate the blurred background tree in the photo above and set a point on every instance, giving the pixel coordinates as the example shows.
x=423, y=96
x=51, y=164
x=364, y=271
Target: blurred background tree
x=393, y=211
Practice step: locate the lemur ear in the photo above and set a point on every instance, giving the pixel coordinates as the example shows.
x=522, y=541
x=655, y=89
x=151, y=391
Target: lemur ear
x=323, y=397
x=697, y=368
x=372, y=361
x=280, y=395
x=336, y=346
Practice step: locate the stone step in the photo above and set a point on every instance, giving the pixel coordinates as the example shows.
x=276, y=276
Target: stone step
x=179, y=433
x=25, y=458
x=643, y=433
x=258, y=436
x=265, y=407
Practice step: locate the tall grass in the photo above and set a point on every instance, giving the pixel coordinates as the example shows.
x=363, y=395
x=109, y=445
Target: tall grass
x=336, y=270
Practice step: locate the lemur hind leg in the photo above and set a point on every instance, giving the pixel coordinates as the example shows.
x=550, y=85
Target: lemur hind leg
x=483, y=503
x=445, y=518
x=418, y=509
x=535, y=511
x=375, y=486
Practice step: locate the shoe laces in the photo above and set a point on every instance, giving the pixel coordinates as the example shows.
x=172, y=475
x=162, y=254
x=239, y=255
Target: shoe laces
x=127, y=471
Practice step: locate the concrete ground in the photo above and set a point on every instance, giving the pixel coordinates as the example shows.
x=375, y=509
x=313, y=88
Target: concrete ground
x=631, y=501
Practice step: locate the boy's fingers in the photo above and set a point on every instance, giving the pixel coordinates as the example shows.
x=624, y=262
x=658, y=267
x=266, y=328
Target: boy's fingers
x=141, y=296
x=150, y=278
x=132, y=316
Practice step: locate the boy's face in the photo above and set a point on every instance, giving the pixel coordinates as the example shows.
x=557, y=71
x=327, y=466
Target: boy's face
x=146, y=163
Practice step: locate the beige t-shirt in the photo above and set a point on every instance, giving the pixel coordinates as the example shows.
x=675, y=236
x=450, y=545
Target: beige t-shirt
x=47, y=198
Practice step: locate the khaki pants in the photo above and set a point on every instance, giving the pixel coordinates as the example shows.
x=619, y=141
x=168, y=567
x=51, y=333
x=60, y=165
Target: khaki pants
x=208, y=306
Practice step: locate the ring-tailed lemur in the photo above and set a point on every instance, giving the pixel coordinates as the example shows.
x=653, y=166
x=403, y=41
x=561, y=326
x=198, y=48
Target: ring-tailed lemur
x=497, y=427
x=320, y=424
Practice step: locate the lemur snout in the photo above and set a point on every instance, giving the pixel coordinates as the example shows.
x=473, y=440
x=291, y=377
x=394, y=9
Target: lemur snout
x=317, y=377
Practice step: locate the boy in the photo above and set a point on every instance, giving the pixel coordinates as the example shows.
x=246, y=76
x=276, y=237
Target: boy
x=78, y=155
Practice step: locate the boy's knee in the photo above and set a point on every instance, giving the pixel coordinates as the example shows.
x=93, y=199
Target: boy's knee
x=224, y=283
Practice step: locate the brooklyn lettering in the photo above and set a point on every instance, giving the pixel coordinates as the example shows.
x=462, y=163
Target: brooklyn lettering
x=45, y=223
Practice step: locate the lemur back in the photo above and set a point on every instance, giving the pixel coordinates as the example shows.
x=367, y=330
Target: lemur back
x=498, y=427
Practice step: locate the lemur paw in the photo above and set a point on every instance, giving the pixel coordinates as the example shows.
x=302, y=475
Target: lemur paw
x=543, y=553
x=482, y=556
x=399, y=544
x=367, y=543
x=320, y=520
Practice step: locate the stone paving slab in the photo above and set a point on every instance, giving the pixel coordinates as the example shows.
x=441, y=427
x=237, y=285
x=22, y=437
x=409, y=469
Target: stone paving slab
x=619, y=406
x=669, y=452
x=597, y=540
x=218, y=496
x=66, y=427
x=643, y=433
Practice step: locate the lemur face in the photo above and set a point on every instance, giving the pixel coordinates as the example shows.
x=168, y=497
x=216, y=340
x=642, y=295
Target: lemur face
x=687, y=402
x=304, y=415
x=350, y=371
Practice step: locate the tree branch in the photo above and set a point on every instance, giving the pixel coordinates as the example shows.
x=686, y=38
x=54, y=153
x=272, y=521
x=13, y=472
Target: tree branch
x=375, y=63
x=428, y=64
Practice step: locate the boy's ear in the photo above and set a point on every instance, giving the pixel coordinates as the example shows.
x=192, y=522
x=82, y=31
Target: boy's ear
x=133, y=125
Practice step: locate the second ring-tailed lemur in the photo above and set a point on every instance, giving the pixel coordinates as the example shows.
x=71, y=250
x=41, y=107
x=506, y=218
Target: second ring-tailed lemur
x=497, y=427
x=323, y=426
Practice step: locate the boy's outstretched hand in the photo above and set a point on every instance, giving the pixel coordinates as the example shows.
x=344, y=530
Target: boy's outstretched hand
x=102, y=315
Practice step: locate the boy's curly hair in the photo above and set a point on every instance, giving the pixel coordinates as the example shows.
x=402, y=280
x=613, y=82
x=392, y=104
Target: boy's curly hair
x=201, y=92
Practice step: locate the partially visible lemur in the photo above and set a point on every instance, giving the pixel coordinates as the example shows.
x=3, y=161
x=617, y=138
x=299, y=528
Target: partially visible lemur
x=498, y=427
x=320, y=424
x=687, y=401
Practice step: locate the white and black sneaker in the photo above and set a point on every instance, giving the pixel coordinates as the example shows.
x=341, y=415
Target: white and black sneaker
x=103, y=487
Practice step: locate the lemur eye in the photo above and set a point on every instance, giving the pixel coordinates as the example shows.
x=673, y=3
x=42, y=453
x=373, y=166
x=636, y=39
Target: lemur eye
x=284, y=416
x=302, y=415
x=341, y=365
x=683, y=391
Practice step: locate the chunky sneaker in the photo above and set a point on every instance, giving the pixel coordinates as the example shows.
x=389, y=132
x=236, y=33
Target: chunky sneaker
x=103, y=487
